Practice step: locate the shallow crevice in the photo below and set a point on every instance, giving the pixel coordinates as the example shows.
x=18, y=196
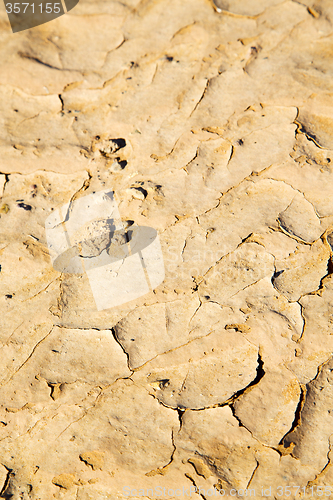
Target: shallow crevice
x=304, y=322
x=329, y=272
x=326, y=466
x=84, y=187
x=232, y=153
x=301, y=129
x=162, y=470
x=62, y=103
x=329, y=266
x=180, y=412
x=5, y=183
x=297, y=420
x=260, y=374
x=194, y=484
x=114, y=334
x=5, y=493
x=189, y=162
x=298, y=414
x=202, y=95
x=276, y=275
x=252, y=475
x=39, y=61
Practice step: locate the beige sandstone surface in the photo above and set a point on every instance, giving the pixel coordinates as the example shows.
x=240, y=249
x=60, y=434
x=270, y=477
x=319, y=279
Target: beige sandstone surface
x=212, y=121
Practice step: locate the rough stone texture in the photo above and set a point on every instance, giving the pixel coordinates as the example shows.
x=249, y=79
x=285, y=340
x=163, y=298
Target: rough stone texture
x=211, y=120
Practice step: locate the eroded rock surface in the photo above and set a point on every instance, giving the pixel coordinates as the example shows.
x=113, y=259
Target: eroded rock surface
x=211, y=121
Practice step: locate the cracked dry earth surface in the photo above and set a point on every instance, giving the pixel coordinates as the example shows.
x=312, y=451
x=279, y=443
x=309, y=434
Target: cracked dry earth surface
x=213, y=124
